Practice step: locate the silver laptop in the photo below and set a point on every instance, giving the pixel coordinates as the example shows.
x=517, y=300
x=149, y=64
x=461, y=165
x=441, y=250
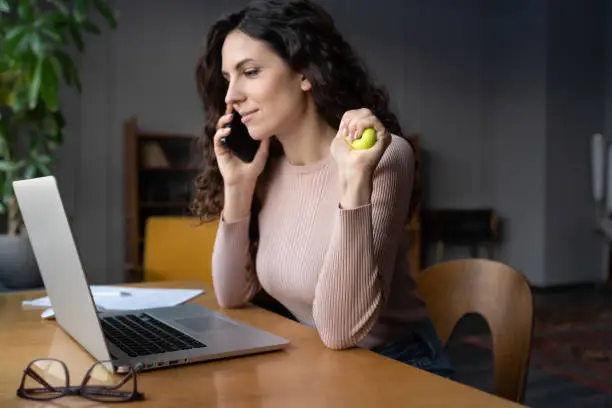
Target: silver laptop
x=149, y=338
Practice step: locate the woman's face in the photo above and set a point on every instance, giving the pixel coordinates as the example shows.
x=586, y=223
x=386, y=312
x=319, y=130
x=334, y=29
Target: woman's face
x=267, y=93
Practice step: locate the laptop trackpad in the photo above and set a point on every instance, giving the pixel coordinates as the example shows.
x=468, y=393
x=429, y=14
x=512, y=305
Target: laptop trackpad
x=202, y=324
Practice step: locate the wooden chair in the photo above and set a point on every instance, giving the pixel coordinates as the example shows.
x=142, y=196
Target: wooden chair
x=502, y=296
x=178, y=248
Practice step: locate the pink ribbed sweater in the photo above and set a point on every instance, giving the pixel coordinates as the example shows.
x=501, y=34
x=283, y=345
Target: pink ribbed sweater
x=341, y=271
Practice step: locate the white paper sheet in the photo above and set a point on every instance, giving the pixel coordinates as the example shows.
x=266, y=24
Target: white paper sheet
x=128, y=298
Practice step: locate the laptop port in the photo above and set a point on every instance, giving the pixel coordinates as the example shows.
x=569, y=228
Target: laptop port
x=173, y=362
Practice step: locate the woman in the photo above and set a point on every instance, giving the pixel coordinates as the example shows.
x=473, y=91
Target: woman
x=315, y=223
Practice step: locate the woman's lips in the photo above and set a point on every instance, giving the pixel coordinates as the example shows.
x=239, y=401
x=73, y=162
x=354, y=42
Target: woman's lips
x=247, y=116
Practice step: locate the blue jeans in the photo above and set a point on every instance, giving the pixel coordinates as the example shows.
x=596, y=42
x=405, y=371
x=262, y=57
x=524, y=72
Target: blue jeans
x=424, y=350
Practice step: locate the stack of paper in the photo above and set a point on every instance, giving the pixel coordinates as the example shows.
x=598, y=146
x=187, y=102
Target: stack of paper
x=129, y=298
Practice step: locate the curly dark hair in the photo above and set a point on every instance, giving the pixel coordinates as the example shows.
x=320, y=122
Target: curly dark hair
x=305, y=36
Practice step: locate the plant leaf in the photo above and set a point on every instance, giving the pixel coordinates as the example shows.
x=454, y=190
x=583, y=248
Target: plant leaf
x=44, y=169
x=52, y=35
x=30, y=171
x=33, y=142
x=68, y=69
x=8, y=187
x=4, y=6
x=26, y=10
x=4, y=138
x=59, y=119
x=59, y=4
x=34, y=89
x=17, y=100
x=50, y=127
x=37, y=45
x=50, y=85
x=54, y=25
x=67, y=66
x=107, y=12
x=80, y=10
x=57, y=136
x=11, y=166
x=76, y=35
x=91, y=27
x=4, y=95
x=15, y=40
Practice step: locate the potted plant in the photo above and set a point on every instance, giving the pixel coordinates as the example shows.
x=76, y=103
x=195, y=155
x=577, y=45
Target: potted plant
x=38, y=42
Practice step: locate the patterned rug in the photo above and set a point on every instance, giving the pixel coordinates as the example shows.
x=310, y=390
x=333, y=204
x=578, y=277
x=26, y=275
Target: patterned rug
x=577, y=347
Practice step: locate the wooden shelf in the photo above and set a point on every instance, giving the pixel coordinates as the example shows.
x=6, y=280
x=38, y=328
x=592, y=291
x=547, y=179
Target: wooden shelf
x=158, y=181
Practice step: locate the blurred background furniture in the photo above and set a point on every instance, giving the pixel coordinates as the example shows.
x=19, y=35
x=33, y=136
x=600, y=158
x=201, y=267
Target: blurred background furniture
x=159, y=179
x=178, y=248
x=474, y=228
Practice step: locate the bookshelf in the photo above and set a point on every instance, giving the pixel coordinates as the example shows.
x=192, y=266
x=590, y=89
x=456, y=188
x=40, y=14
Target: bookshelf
x=159, y=176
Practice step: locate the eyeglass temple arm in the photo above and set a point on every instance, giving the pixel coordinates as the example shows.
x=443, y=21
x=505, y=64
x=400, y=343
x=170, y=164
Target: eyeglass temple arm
x=38, y=378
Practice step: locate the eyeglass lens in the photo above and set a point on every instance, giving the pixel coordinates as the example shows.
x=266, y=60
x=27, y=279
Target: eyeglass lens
x=102, y=385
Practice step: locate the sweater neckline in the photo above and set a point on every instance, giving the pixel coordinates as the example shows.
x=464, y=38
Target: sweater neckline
x=306, y=168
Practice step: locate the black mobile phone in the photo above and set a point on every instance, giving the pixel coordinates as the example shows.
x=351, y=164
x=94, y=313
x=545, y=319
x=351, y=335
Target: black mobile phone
x=239, y=142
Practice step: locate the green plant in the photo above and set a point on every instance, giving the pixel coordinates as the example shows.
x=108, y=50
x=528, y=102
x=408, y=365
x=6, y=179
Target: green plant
x=38, y=41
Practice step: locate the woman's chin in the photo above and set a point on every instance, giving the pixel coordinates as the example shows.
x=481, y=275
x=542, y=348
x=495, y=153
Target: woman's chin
x=257, y=134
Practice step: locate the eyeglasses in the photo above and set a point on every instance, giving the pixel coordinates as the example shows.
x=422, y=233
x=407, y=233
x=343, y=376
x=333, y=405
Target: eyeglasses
x=48, y=378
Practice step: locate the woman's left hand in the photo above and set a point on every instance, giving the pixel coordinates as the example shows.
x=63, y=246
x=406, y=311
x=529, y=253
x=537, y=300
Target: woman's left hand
x=354, y=161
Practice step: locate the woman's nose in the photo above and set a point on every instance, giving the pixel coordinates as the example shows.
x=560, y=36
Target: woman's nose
x=233, y=94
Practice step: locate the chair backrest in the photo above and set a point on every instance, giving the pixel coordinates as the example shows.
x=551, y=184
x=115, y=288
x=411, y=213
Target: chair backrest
x=502, y=296
x=178, y=248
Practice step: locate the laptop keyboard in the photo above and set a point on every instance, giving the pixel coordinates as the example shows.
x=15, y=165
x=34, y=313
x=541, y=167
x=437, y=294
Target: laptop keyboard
x=142, y=335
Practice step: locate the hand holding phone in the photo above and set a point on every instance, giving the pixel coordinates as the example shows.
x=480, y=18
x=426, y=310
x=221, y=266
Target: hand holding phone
x=239, y=142
x=240, y=158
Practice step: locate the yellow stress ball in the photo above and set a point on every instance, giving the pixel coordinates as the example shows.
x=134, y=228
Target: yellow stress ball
x=367, y=140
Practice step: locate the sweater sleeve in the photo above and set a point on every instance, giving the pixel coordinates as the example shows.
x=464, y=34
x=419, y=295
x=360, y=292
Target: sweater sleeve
x=234, y=278
x=359, y=264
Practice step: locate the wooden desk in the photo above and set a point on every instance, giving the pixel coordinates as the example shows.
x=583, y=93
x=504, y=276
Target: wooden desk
x=305, y=375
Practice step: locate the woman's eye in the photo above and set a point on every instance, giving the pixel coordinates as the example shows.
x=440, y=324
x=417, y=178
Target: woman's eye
x=249, y=73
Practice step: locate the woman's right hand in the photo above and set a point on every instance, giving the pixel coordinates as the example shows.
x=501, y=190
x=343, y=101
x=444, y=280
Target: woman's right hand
x=235, y=171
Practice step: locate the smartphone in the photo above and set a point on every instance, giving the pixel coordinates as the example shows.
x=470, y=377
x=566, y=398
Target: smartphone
x=239, y=142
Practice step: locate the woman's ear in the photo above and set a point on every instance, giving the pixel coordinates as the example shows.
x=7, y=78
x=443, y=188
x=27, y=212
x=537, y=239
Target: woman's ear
x=305, y=84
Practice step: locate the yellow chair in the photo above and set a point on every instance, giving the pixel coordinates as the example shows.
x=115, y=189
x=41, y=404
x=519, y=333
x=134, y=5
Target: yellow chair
x=178, y=248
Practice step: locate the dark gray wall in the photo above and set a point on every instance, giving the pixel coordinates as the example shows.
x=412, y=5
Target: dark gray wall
x=472, y=77
x=516, y=128
x=608, y=69
x=574, y=111
x=546, y=100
